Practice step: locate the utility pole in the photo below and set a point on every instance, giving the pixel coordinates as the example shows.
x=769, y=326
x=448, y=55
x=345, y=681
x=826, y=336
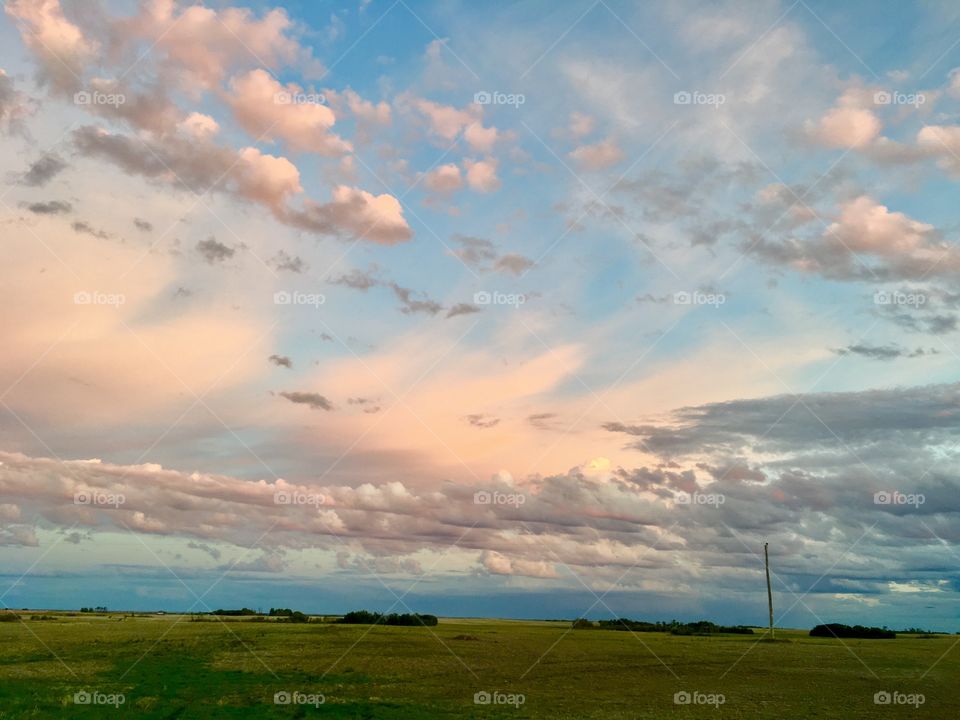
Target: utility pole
x=766, y=561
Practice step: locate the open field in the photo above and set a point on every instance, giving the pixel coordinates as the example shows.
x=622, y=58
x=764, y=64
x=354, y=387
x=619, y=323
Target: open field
x=171, y=667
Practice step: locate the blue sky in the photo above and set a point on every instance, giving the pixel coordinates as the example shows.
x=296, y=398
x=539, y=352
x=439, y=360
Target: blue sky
x=684, y=285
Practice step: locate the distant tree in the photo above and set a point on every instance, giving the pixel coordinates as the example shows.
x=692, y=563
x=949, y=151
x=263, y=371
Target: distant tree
x=364, y=617
x=361, y=617
x=582, y=624
x=839, y=630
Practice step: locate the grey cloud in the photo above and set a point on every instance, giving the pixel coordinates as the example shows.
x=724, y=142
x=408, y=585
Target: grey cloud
x=513, y=263
x=281, y=361
x=482, y=421
x=201, y=166
x=14, y=106
x=83, y=227
x=49, y=207
x=482, y=255
x=628, y=519
x=203, y=547
x=812, y=426
x=44, y=170
x=541, y=420
x=268, y=562
x=315, y=401
x=283, y=261
x=883, y=352
x=359, y=279
x=462, y=309
x=474, y=251
x=214, y=251
x=411, y=301
x=411, y=304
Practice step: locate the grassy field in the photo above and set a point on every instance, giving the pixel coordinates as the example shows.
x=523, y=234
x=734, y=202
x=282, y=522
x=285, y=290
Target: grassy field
x=171, y=667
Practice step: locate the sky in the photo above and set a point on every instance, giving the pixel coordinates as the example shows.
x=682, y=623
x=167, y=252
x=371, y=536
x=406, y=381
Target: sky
x=528, y=309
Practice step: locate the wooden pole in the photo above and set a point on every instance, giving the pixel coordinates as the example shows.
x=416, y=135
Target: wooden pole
x=766, y=560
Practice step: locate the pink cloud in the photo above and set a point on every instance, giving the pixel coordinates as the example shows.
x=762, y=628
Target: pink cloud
x=266, y=109
x=444, y=179
x=598, y=156
x=205, y=43
x=482, y=175
x=59, y=45
x=847, y=127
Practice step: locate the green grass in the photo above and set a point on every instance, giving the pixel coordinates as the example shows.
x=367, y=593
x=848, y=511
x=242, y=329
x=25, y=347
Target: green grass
x=169, y=667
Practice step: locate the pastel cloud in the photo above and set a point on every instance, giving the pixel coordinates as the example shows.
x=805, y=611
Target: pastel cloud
x=847, y=127
x=482, y=174
x=200, y=165
x=597, y=156
x=266, y=109
x=444, y=179
x=85, y=312
x=60, y=46
x=444, y=120
x=205, y=43
x=354, y=213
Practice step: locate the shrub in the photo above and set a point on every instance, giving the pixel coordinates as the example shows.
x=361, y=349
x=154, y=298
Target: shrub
x=9, y=617
x=582, y=624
